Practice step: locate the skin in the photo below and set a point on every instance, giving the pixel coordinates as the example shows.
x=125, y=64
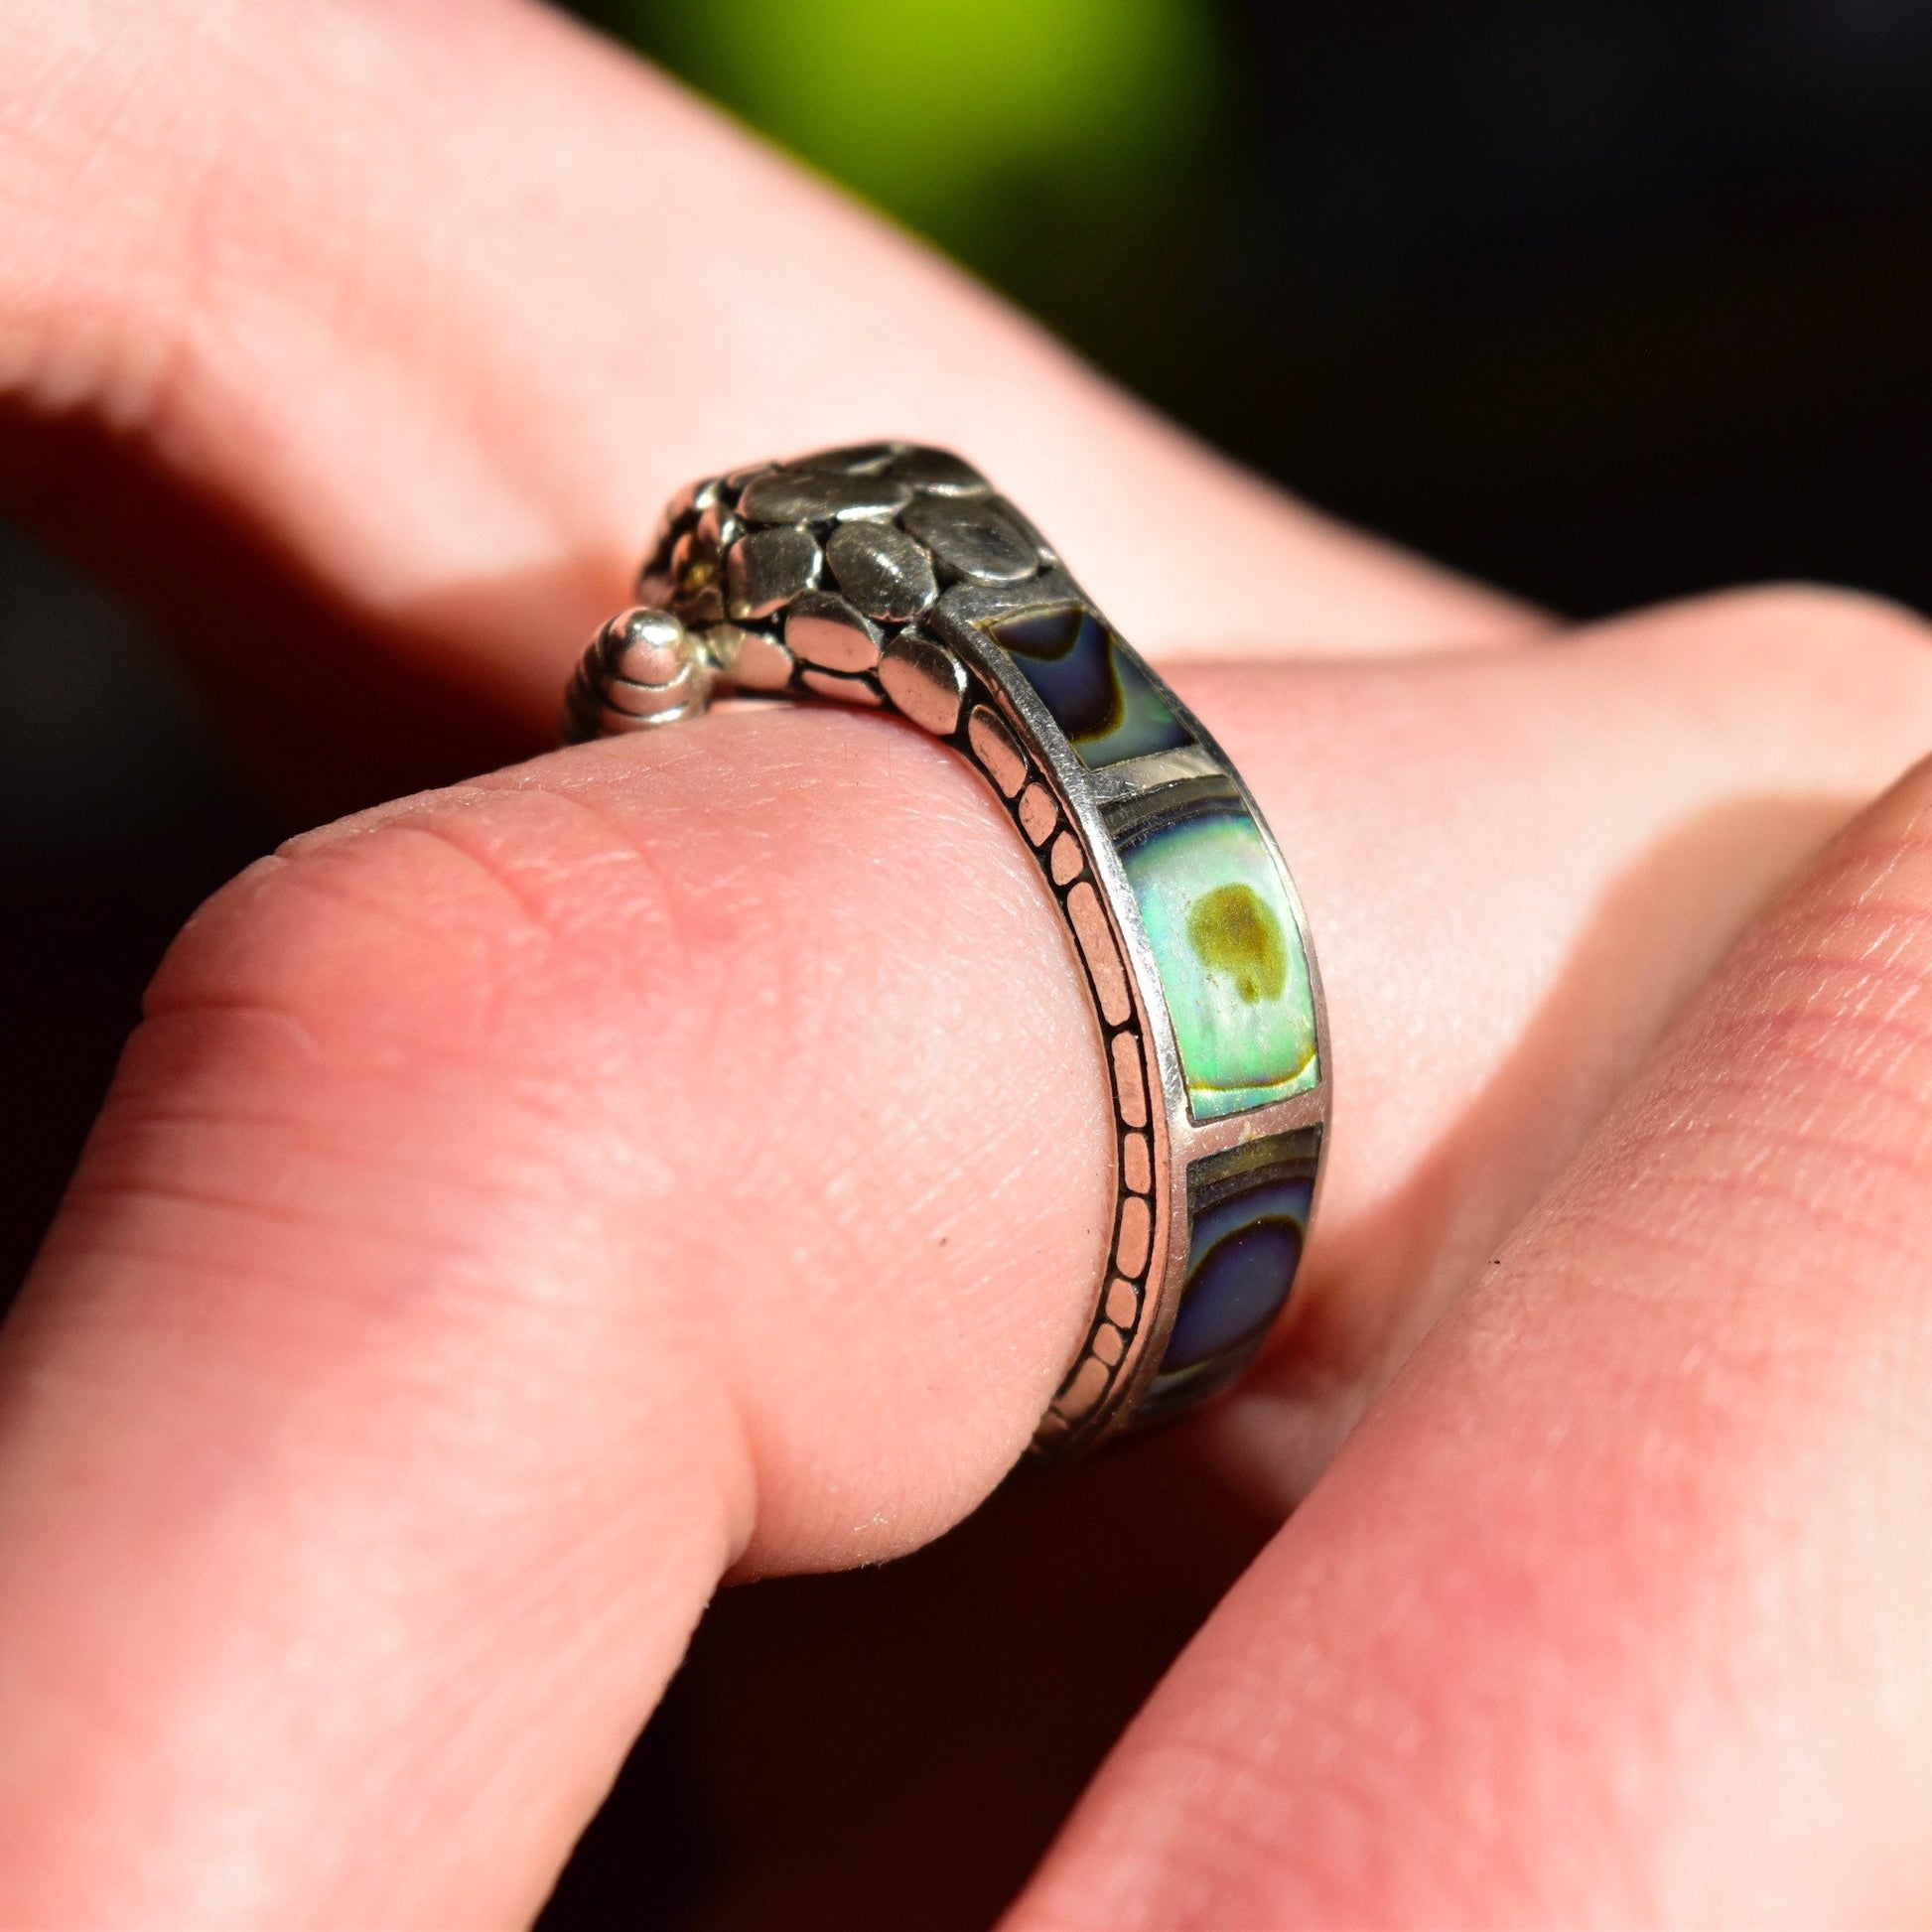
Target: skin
x=528, y=1205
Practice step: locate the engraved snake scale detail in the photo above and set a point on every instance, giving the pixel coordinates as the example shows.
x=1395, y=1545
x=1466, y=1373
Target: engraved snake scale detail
x=893, y=576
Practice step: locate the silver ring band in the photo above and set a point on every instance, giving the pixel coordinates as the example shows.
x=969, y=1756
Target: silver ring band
x=891, y=576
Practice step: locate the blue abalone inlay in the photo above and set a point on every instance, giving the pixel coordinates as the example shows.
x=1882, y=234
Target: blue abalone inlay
x=1108, y=706
x=1248, y=1221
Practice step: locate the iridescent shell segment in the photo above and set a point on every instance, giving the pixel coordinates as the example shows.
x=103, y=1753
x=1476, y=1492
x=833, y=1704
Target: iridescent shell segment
x=1214, y=898
x=1108, y=706
x=1221, y=921
x=1248, y=1214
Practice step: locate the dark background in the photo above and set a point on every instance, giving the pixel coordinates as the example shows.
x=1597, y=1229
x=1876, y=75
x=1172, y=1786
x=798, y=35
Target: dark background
x=1606, y=300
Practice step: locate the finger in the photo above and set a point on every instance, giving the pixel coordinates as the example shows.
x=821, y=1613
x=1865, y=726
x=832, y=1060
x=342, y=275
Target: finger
x=429, y=305
x=1615, y=1611
x=1559, y=934
x=1059, y=1608
x=523, y=1204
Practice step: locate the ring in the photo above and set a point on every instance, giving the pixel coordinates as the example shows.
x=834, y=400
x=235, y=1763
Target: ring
x=894, y=577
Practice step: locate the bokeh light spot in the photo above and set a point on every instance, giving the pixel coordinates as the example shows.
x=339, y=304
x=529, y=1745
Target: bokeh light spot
x=938, y=109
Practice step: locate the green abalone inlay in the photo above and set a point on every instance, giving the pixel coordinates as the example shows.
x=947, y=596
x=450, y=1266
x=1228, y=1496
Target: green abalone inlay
x=1217, y=915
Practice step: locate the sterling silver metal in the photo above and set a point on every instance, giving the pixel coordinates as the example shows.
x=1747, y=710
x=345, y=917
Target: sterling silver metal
x=870, y=576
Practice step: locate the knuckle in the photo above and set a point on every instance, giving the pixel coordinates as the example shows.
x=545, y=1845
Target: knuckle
x=1828, y=610
x=473, y=921
x=421, y=1038
x=1847, y=647
x=424, y=1034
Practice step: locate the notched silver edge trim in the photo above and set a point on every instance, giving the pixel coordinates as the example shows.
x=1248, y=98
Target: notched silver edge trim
x=1134, y=776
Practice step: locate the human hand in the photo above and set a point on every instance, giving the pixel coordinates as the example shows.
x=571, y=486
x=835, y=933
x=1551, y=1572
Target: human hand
x=528, y=1203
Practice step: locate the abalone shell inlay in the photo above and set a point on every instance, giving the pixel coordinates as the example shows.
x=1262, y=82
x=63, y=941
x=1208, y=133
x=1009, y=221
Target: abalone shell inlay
x=1215, y=905
x=1108, y=706
x=1248, y=1214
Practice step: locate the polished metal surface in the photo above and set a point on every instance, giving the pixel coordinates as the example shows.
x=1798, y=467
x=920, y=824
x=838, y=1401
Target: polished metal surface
x=876, y=575
x=822, y=628
x=926, y=681
x=973, y=539
x=886, y=573
x=794, y=496
x=766, y=568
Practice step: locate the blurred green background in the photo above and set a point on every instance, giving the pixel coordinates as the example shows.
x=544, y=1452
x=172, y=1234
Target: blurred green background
x=1607, y=299
x=1063, y=149
x=960, y=116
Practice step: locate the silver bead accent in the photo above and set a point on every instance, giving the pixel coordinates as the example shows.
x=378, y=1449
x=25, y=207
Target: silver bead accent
x=652, y=704
x=646, y=647
x=642, y=669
